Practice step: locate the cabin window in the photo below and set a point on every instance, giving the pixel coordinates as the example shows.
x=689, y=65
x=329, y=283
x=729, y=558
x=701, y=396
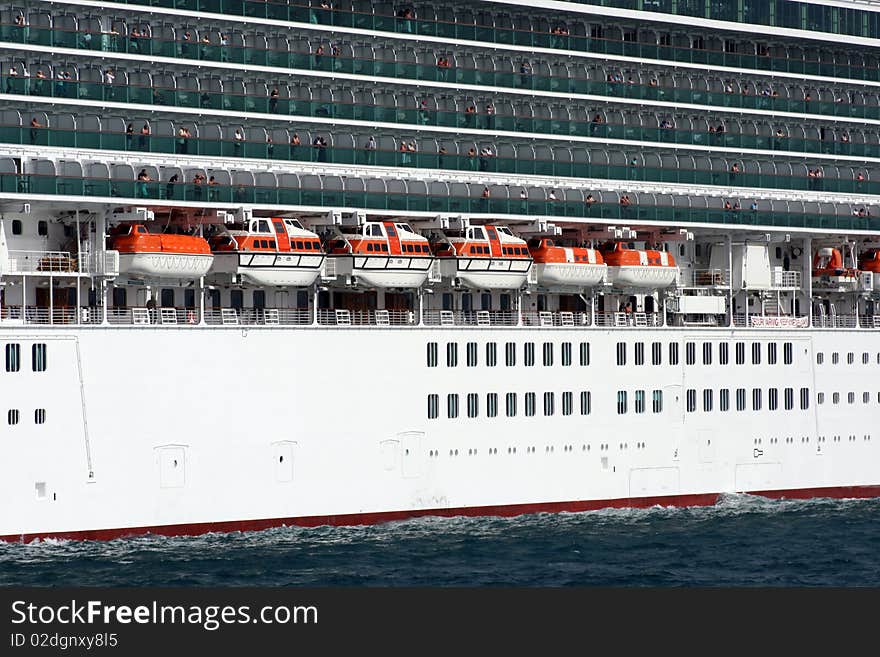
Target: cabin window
x=621, y=353
x=639, y=399
x=771, y=353
x=491, y=354
x=486, y=301
x=432, y=354
x=510, y=400
x=567, y=403
x=548, y=354
x=452, y=405
x=724, y=400
x=805, y=398
x=369, y=246
x=39, y=416
x=12, y=416
x=271, y=244
x=835, y=358
x=471, y=354
x=756, y=399
x=585, y=354
x=38, y=357
x=566, y=354
x=13, y=357
x=140, y=230
x=707, y=353
x=189, y=298
x=510, y=354
x=586, y=402
x=866, y=358
x=723, y=353
x=850, y=358
x=433, y=407
x=640, y=353
x=549, y=403
x=16, y=226
x=166, y=298
x=492, y=404
x=473, y=404
x=820, y=358
x=621, y=402
x=673, y=353
x=691, y=400
x=236, y=299
x=451, y=354
x=530, y=404
x=707, y=400
x=529, y=354
x=657, y=401
x=42, y=228
x=835, y=398
x=788, y=354
x=789, y=399
x=656, y=353
x=756, y=353
x=772, y=399
x=820, y=398
x=214, y=298
x=263, y=226
x=740, y=353
x=259, y=298
x=690, y=351
x=851, y=398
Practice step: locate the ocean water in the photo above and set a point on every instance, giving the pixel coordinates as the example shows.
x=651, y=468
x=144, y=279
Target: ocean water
x=741, y=541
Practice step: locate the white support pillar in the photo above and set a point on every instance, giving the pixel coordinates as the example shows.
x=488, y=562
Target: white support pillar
x=807, y=273
x=730, y=321
x=202, y=304
x=100, y=259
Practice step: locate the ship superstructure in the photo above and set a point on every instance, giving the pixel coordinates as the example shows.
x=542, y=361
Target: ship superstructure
x=466, y=257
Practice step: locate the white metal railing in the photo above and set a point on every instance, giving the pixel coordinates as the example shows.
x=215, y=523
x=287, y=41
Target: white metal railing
x=556, y=318
x=106, y=265
x=41, y=262
x=344, y=317
x=835, y=321
x=257, y=316
x=469, y=317
x=705, y=278
x=785, y=279
x=629, y=319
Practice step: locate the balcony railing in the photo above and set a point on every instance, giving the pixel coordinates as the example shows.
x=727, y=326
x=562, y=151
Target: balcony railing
x=705, y=278
x=786, y=279
x=634, y=319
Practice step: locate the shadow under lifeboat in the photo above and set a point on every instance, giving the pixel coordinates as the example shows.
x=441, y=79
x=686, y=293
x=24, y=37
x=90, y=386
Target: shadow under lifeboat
x=628, y=267
x=382, y=254
x=485, y=258
x=870, y=261
x=273, y=251
x=159, y=255
x=829, y=270
x=571, y=266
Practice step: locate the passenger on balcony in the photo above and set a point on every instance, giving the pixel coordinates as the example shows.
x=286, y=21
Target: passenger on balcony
x=144, y=140
x=523, y=200
x=273, y=100
x=320, y=144
x=469, y=113
x=169, y=186
x=319, y=54
x=213, y=194
x=129, y=136
x=294, y=142
x=552, y=195
x=525, y=74
x=224, y=44
x=370, y=148
x=472, y=154
x=133, y=45
x=590, y=199
x=237, y=140
x=205, y=42
x=424, y=116
x=490, y=116
x=441, y=156
x=13, y=73
x=334, y=53
x=143, y=179
x=183, y=136
x=62, y=86
x=270, y=147
x=184, y=43
x=35, y=125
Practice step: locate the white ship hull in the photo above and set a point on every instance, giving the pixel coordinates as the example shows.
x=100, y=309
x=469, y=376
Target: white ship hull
x=385, y=271
x=152, y=455
x=270, y=269
x=642, y=276
x=570, y=274
x=165, y=265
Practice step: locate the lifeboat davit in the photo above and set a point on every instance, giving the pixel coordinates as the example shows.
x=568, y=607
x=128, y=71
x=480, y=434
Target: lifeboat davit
x=566, y=266
x=383, y=254
x=829, y=270
x=275, y=252
x=629, y=267
x=159, y=255
x=485, y=258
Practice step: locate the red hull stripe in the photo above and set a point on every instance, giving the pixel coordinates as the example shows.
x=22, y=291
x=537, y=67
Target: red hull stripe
x=704, y=499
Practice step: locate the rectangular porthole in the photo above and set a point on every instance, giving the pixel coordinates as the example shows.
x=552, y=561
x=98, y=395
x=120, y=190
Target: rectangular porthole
x=13, y=357
x=12, y=416
x=432, y=354
x=433, y=406
x=38, y=357
x=39, y=416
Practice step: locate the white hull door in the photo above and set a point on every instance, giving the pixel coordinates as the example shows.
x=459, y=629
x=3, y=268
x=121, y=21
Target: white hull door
x=642, y=276
x=385, y=271
x=488, y=273
x=271, y=269
x=165, y=265
x=570, y=274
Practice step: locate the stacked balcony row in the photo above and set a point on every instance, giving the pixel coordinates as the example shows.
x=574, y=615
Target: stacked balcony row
x=103, y=179
x=533, y=27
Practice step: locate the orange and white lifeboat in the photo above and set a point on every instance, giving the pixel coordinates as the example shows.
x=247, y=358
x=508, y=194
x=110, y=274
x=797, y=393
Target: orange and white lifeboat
x=269, y=251
x=628, y=267
x=829, y=270
x=566, y=266
x=870, y=261
x=159, y=255
x=485, y=258
x=383, y=254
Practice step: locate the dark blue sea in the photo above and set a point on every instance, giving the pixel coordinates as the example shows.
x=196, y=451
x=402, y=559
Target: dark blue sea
x=742, y=541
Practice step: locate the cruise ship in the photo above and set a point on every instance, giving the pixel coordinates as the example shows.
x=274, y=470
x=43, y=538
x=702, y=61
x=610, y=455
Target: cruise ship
x=291, y=262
